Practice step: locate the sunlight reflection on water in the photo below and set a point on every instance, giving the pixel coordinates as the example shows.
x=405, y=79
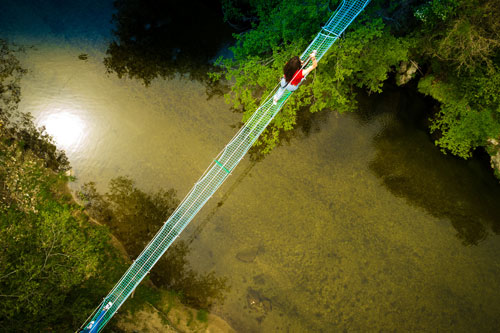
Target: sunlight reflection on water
x=335, y=246
x=65, y=125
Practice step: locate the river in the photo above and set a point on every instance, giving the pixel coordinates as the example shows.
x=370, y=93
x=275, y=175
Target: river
x=360, y=224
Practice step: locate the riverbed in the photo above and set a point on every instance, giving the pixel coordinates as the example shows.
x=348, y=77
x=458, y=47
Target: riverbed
x=360, y=224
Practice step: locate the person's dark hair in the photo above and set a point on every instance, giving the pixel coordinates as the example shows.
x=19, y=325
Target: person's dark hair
x=291, y=67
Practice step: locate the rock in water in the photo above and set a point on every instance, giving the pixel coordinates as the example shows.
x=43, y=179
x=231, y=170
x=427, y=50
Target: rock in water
x=247, y=255
x=493, y=149
x=253, y=299
x=266, y=303
x=258, y=303
x=406, y=72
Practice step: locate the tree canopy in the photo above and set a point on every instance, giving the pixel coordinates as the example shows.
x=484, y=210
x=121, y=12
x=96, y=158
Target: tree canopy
x=55, y=262
x=454, y=44
x=459, y=41
x=50, y=255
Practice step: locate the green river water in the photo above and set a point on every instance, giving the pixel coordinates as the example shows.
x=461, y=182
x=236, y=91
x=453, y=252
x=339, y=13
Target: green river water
x=359, y=225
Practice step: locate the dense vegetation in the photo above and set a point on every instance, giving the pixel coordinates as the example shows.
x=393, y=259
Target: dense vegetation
x=449, y=49
x=452, y=47
x=53, y=262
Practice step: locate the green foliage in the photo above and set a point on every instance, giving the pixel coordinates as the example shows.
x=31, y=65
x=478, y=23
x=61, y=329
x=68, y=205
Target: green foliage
x=280, y=23
x=463, y=129
x=463, y=50
x=202, y=315
x=470, y=111
x=456, y=43
x=468, y=39
x=363, y=59
x=190, y=317
x=47, y=248
x=436, y=10
x=53, y=262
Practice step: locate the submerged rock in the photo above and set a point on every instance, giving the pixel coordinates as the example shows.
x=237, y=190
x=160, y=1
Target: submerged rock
x=267, y=305
x=247, y=255
x=259, y=279
x=253, y=298
x=257, y=302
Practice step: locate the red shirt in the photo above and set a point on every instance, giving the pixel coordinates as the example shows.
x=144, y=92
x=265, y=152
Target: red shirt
x=297, y=78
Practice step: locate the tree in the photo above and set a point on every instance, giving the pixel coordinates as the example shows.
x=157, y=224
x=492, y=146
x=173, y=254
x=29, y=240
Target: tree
x=460, y=41
x=50, y=255
x=47, y=247
x=455, y=42
x=362, y=59
x=18, y=126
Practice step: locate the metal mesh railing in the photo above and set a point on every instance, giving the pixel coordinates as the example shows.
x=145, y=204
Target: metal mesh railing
x=215, y=175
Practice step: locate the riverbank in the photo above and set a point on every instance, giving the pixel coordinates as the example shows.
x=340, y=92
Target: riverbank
x=361, y=220
x=168, y=315
x=155, y=309
x=373, y=191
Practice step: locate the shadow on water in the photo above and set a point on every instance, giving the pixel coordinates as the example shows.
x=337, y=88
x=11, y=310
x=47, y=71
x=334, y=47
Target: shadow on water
x=412, y=167
x=134, y=217
x=307, y=123
x=162, y=38
x=200, y=226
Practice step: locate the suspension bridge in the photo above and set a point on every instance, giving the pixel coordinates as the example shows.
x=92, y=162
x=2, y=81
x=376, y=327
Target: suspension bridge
x=216, y=174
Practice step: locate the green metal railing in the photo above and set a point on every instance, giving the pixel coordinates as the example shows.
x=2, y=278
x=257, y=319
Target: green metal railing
x=215, y=175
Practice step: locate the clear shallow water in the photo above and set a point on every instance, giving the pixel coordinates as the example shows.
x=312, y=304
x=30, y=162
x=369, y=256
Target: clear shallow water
x=101, y=121
x=337, y=246
x=363, y=225
x=339, y=250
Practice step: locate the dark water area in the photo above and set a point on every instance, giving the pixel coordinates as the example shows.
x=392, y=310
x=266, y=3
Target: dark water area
x=26, y=21
x=145, y=39
x=424, y=175
x=163, y=38
x=357, y=222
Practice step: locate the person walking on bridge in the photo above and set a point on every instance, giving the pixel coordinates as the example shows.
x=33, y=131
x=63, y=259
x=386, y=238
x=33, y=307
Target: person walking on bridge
x=294, y=74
